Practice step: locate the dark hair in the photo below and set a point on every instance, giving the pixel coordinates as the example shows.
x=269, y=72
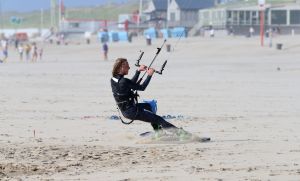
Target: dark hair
x=117, y=65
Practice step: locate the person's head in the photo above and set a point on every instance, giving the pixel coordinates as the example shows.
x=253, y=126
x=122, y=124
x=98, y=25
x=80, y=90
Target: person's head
x=121, y=67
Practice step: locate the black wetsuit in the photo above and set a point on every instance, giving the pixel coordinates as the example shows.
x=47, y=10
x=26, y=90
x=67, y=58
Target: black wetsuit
x=123, y=91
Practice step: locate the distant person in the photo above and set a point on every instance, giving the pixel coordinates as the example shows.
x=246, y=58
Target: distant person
x=27, y=49
x=1, y=60
x=5, y=54
x=87, y=36
x=293, y=32
x=16, y=44
x=212, y=32
x=251, y=31
x=41, y=51
x=4, y=45
x=130, y=37
x=230, y=31
x=105, y=50
x=267, y=33
x=148, y=39
x=34, y=52
x=62, y=38
x=21, y=51
x=278, y=30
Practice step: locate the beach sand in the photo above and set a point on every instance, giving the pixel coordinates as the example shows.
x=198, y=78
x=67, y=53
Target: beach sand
x=55, y=114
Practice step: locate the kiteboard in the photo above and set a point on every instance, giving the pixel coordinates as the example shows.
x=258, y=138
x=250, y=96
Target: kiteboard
x=170, y=137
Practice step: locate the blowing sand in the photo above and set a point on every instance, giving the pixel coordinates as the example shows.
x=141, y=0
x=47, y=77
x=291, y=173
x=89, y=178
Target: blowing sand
x=54, y=115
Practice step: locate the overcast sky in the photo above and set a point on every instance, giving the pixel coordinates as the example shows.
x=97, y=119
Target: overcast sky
x=30, y=5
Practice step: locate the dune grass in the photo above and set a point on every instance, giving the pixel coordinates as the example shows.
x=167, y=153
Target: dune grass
x=33, y=19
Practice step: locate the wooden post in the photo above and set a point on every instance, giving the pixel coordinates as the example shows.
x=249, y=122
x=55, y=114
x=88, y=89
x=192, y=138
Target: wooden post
x=261, y=4
x=262, y=23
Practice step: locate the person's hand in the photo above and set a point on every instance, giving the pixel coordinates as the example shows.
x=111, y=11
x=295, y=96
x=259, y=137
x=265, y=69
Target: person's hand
x=142, y=68
x=150, y=71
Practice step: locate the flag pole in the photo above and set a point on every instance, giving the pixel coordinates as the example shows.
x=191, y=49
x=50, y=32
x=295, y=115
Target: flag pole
x=261, y=4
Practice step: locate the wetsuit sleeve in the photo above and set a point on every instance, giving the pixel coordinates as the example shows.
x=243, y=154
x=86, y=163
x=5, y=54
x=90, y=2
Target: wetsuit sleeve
x=136, y=76
x=135, y=86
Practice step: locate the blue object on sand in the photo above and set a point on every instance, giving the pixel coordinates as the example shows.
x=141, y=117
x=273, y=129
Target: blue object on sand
x=166, y=33
x=114, y=117
x=178, y=32
x=103, y=37
x=123, y=36
x=113, y=36
x=153, y=104
x=151, y=32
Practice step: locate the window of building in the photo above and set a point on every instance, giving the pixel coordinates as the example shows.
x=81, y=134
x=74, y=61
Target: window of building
x=255, y=19
x=278, y=17
x=235, y=17
x=206, y=15
x=74, y=25
x=229, y=17
x=294, y=17
x=172, y=16
x=242, y=17
x=247, y=18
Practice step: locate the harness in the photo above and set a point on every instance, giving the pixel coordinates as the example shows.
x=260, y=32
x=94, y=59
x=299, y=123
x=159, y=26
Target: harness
x=131, y=99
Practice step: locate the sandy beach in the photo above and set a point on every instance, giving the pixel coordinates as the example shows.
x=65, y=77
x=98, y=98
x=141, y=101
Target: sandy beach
x=55, y=114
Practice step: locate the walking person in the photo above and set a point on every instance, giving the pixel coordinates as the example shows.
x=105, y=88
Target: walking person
x=41, y=51
x=21, y=51
x=27, y=49
x=5, y=53
x=105, y=50
x=34, y=52
x=4, y=45
x=148, y=39
x=251, y=31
